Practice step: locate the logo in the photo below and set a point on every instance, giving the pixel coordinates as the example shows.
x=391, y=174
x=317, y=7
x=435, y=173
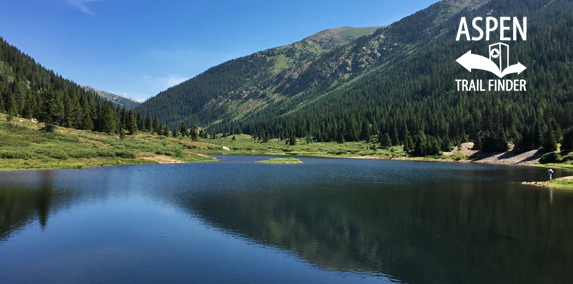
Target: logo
x=498, y=62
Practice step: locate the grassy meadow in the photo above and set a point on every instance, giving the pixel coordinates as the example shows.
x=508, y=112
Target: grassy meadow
x=24, y=146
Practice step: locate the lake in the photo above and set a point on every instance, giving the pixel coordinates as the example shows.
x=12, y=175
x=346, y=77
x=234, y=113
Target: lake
x=324, y=221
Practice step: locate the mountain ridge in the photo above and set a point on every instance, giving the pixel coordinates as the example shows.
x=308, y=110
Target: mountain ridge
x=258, y=75
x=121, y=100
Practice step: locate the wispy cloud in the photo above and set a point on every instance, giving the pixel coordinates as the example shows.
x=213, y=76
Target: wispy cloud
x=164, y=82
x=173, y=80
x=81, y=5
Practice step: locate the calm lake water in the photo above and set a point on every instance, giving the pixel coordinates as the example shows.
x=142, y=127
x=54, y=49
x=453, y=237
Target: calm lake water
x=324, y=221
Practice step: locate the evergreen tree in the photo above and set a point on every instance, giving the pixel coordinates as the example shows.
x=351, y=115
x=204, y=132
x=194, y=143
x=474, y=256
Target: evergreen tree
x=140, y=121
x=502, y=142
x=407, y=144
x=166, y=131
x=131, y=123
x=2, y=108
x=10, y=103
x=234, y=138
x=446, y=146
x=365, y=132
x=52, y=113
x=420, y=147
x=121, y=134
x=148, y=123
x=567, y=144
x=537, y=136
x=2, y=87
x=292, y=140
x=159, y=129
x=28, y=113
x=87, y=122
x=340, y=138
x=194, y=131
x=434, y=146
x=156, y=125
x=549, y=141
x=525, y=143
x=386, y=141
x=183, y=129
x=109, y=122
x=395, y=139
x=478, y=144
x=124, y=116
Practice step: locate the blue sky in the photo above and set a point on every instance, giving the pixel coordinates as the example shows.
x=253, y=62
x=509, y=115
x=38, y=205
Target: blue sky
x=138, y=48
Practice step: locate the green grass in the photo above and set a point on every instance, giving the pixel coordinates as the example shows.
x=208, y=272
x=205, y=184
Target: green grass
x=562, y=183
x=566, y=165
x=23, y=146
x=77, y=166
x=281, y=161
x=244, y=144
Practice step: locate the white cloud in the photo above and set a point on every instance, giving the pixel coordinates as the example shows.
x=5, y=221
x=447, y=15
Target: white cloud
x=81, y=5
x=158, y=84
x=173, y=80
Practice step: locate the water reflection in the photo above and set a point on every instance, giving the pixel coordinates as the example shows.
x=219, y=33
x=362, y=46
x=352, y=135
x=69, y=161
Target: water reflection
x=416, y=222
x=470, y=232
x=20, y=205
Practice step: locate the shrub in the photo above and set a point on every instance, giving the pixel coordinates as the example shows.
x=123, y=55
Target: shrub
x=106, y=153
x=550, y=158
x=15, y=154
x=125, y=154
x=76, y=166
x=567, y=158
x=67, y=138
x=179, y=153
x=58, y=155
x=83, y=154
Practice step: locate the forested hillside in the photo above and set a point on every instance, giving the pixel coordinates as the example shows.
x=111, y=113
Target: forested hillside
x=239, y=88
x=417, y=96
x=398, y=82
x=29, y=90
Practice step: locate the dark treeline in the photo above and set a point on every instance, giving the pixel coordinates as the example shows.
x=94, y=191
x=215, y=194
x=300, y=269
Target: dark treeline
x=414, y=102
x=29, y=90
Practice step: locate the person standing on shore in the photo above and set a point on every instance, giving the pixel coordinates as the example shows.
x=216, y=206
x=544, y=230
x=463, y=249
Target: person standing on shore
x=550, y=173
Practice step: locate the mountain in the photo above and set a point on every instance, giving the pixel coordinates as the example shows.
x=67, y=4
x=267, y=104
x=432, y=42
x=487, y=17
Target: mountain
x=120, y=100
x=280, y=80
x=231, y=90
x=399, y=80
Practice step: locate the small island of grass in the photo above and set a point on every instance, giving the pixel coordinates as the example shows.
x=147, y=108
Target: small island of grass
x=563, y=183
x=560, y=183
x=281, y=161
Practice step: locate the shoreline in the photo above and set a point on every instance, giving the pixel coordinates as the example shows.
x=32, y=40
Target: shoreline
x=161, y=159
x=415, y=159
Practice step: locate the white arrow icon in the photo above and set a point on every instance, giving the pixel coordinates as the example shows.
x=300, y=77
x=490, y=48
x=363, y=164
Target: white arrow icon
x=473, y=61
